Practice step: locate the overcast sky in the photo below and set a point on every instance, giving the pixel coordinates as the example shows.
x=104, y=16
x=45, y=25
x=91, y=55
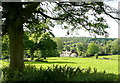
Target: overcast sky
x=113, y=31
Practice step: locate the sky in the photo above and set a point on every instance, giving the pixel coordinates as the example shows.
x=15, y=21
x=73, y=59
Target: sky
x=113, y=30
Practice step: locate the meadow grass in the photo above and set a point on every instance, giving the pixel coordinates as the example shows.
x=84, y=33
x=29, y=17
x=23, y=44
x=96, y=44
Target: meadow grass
x=110, y=66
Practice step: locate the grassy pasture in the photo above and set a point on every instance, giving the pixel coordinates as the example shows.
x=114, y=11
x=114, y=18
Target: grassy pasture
x=110, y=66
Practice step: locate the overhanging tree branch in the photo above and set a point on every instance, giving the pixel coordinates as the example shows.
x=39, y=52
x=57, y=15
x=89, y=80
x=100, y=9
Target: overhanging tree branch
x=25, y=16
x=107, y=13
x=54, y=18
x=21, y=18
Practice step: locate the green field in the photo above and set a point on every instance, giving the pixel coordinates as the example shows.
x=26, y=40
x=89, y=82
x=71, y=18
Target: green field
x=110, y=66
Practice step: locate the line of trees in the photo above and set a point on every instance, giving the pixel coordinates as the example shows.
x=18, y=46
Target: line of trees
x=49, y=46
x=89, y=48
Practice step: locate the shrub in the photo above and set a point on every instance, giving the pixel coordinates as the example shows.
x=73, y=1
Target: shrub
x=57, y=73
x=31, y=73
x=85, y=55
x=95, y=76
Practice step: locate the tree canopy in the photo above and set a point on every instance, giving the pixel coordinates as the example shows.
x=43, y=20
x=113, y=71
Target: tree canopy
x=77, y=14
x=93, y=48
x=115, y=46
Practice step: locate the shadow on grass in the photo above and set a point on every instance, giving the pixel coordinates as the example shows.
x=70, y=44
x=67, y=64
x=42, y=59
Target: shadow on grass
x=49, y=62
x=59, y=62
x=59, y=59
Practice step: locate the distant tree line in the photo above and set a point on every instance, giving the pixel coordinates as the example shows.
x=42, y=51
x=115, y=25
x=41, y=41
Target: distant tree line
x=87, y=46
x=48, y=46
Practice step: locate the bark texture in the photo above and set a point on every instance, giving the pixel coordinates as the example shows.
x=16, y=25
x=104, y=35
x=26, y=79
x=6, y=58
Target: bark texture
x=18, y=18
x=16, y=47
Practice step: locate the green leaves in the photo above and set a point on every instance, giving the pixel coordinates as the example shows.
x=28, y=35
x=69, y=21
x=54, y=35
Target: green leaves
x=47, y=45
x=115, y=46
x=46, y=42
x=93, y=48
x=59, y=43
x=85, y=14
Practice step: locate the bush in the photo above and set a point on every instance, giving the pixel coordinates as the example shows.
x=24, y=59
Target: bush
x=55, y=73
x=85, y=55
x=31, y=73
x=98, y=77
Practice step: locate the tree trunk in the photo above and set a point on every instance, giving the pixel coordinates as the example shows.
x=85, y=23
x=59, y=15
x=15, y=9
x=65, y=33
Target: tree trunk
x=32, y=54
x=16, y=18
x=16, y=47
x=44, y=54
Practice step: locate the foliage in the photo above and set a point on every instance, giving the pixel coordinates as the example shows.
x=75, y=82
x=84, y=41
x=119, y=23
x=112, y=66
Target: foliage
x=108, y=47
x=37, y=53
x=30, y=74
x=115, y=46
x=67, y=48
x=96, y=77
x=80, y=53
x=84, y=55
x=104, y=43
x=77, y=16
x=38, y=41
x=5, y=46
x=55, y=73
x=80, y=47
x=74, y=48
x=30, y=43
x=36, y=29
x=59, y=44
x=47, y=45
x=102, y=50
x=93, y=48
x=27, y=42
x=32, y=36
x=85, y=40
